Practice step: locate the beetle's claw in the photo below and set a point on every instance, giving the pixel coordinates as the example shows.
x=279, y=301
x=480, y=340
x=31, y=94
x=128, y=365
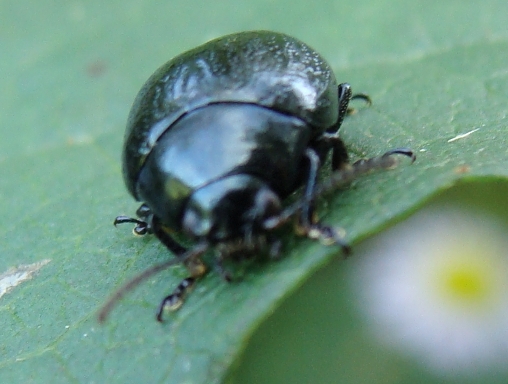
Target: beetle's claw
x=141, y=228
x=401, y=151
x=328, y=236
x=123, y=219
x=361, y=96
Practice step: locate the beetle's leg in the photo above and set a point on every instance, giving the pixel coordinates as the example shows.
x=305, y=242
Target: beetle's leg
x=194, y=265
x=143, y=225
x=345, y=95
x=308, y=195
x=221, y=269
x=274, y=247
x=174, y=301
x=328, y=235
x=362, y=167
x=331, y=137
x=319, y=231
x=361, y=96
x=307, y=224
x=332, y=141
x=159, y=230
x=143, y=212
x=336, y=179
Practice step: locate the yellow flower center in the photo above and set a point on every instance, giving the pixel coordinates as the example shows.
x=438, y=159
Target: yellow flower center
x=467, y=282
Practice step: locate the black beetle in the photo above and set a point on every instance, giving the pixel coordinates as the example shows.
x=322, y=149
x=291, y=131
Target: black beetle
x=221, y=135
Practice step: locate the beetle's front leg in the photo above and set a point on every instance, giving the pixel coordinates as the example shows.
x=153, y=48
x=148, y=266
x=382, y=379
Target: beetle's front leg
x=161, y=232
x=194, y=265
x=175, y=300
x=361, y=96
x=143, y=224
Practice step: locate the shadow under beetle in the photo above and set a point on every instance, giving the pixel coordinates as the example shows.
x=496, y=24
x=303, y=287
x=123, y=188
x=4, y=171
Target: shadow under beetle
x=220, y=136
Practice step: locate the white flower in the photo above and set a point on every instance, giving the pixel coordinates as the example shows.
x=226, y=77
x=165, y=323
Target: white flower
x=436, y=287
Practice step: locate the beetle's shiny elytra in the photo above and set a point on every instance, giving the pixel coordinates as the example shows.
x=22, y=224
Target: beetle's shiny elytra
x=221, y=135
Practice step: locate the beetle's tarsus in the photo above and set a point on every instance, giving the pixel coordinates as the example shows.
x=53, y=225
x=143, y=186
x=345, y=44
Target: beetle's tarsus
x=141, y=228
x=195, y=252
x=361, y=167
x=175, y=300
x=126, y=219
x=361, y=96
x=401, y=151
x=327, y=235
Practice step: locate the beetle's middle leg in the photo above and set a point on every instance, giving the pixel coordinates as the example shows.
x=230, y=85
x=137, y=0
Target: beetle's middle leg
x=308, y=224
x=307, y=212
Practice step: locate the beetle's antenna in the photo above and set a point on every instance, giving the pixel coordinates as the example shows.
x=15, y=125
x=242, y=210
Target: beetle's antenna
x=340, y=178
x=197, y=251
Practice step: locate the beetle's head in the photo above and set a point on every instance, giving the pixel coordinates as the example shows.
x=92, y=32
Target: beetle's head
x=232, y=207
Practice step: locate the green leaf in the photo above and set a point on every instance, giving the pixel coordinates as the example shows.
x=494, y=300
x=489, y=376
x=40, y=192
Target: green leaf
x=437, y=73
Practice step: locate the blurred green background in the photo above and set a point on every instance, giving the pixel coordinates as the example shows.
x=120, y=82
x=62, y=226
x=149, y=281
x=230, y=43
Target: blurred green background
x=320, y=334
x=69, y=73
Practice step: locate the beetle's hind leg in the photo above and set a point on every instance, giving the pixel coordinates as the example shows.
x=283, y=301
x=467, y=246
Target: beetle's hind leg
x=345, y=95
x=303, y=209
x=361, y=96
x=330, y=139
